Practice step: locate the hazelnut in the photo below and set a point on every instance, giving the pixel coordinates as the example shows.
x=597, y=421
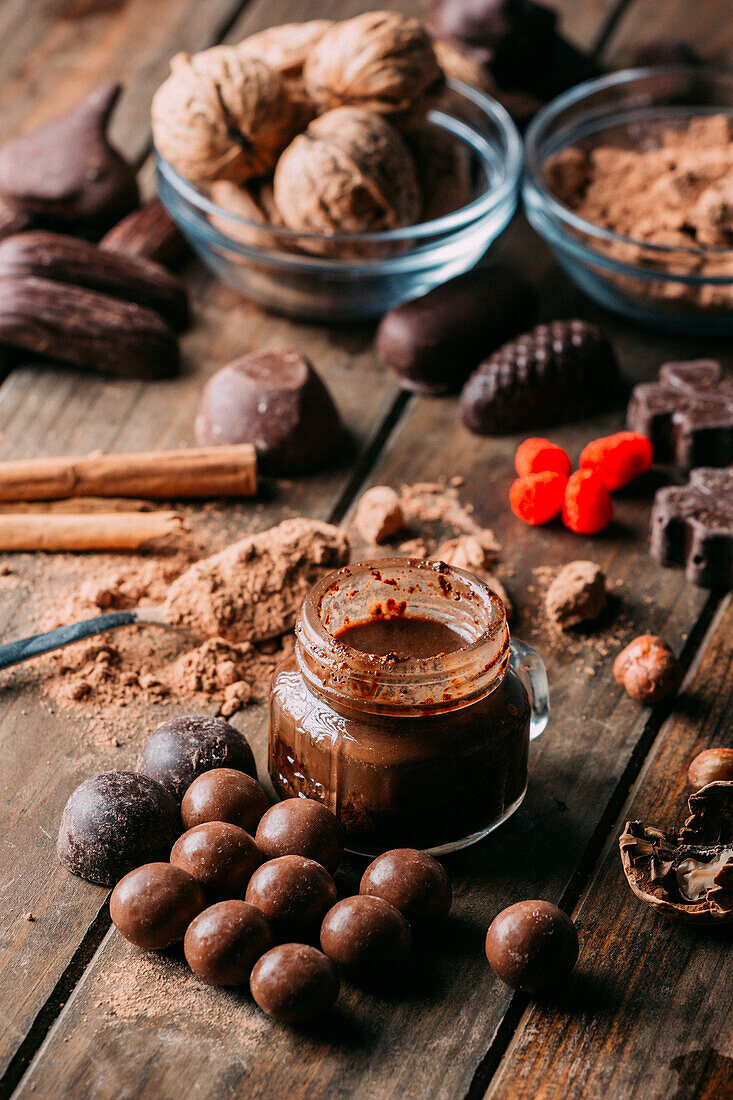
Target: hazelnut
x=381, y=60
x=350, y=172
x=221, y=116
x=285, y=49
x=711, y=766
x=648, y=669
x=379, y=514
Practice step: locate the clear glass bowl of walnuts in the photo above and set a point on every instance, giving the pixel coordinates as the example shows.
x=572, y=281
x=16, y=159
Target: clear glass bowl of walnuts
x=329, y=171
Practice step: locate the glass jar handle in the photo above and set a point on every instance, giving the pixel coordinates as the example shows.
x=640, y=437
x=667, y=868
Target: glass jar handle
x=530, y=669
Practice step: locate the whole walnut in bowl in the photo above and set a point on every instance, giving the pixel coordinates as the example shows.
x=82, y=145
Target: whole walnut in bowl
x=382, y=61
x=285, y=49
x=350, y=172
x=221, y=116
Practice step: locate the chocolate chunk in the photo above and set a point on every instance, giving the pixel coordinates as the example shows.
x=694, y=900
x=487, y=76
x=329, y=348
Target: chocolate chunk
x=182, y=748
x=67, y=170
x=367, y=936
x=224, y=942
x=559, y=372
x=225, y=794
x=70, y=260
x=294, y=983
x=294, y=893
x=275, y=400
x=151, y=233
x=153, y=905
x=222, y=857
x=114, y=822
x=692, y=527
x=434, y=342
x=687, y=414
x=301, y=827
x=532, y=946
x=413, y=882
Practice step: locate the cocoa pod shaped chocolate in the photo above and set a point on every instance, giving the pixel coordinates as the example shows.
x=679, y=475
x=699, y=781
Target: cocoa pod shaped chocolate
x=70, y=260
x=85, y=328
x=67, y=170
x=149, y=232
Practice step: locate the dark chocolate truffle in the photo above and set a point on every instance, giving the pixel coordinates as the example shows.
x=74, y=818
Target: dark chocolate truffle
x=153, y=905
x=224, y=794
x=301, y=827
x=222, y=857
x=225, y=941
x=114, y=822
x=294, y=983
x=366, y=935
x=182, y=748
x=294, y=893
x=275, y=400
x=532, y=946
x=413, y=882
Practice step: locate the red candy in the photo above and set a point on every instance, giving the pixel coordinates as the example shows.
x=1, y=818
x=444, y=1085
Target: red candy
x=538, y=498
x=537, y=455
x=587, y=507
x=618, y=458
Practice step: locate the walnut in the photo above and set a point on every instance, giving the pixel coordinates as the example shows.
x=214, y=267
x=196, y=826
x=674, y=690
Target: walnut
x=350, y=172
x=648, y=669
x=285, y=49
x=221, y=116
x=253, y=202
x=381, y=60
x=460, y=65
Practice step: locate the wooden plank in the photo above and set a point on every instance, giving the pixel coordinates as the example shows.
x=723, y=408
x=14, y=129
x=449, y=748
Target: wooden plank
x=649, y=1010
x=708, y=29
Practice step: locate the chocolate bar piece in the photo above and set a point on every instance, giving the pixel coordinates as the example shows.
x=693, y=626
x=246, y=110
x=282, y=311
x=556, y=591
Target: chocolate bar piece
x=692, y=526
x=554, y=374
x=687, y=414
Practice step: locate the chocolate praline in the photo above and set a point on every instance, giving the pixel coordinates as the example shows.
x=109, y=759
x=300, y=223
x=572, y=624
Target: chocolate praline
x=114, y=822
x=179, y=750
x=532, y=946
x=413, y=882
x=153, y=905
x=224, y=794
x=223, y=943
x=222, y=857
x=294, y=893
x=366, y=935
x=294, y=983
x=301, y=827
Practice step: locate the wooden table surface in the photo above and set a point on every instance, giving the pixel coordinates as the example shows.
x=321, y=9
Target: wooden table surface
x=648, y=1012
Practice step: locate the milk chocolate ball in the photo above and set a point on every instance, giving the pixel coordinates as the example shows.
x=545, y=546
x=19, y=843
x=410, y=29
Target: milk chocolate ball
x=225, y=941
x=413, y=882
x=182, y=748
x=366, y=935
x=222, y=857
x=274, y=400
x=294, y=893
x=294, y=983
x=153, y=905
x=532, y=946
x=301, y=827
x=224, y=794
x=114, y=822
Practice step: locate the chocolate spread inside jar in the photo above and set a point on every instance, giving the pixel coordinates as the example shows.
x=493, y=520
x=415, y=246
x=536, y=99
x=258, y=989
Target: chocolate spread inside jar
x=400, y=709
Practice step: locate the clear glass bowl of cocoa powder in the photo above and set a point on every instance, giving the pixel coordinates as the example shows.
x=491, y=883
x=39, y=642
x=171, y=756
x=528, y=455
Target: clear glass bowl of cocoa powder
x=629, y=178
x=474, y=155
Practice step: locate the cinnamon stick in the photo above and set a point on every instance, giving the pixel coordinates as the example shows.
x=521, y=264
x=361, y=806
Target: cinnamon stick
x=92, y=531
x=157, y=475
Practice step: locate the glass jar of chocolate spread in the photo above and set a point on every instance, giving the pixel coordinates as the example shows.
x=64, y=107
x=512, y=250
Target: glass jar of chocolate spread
x=405, y=707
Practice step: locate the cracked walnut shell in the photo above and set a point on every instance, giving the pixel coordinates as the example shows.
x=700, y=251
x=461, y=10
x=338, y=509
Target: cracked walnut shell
x=350, y=172
x=381, y=60
x=221, y=116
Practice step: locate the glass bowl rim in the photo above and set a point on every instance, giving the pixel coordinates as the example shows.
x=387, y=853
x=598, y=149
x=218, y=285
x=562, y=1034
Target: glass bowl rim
x=456, y=220
x=533, y=180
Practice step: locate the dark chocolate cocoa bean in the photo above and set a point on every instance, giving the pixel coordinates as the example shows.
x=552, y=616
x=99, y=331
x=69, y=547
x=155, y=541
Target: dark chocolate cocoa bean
x=67, y=170
x=85, y=329
x=149, y=232
x=434, y=342
x=70, y=260
x=275, y=400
